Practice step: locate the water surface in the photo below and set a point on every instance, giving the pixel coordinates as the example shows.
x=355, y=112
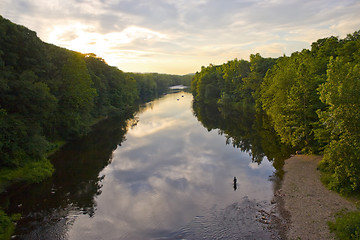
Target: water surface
x=162, y=175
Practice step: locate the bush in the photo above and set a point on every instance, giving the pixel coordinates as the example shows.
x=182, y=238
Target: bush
x=346, y=225
x=7, y=224
x=30, y=172
x=341, y=165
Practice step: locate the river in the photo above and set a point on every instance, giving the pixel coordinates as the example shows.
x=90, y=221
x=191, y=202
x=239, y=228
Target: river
x=165, y=174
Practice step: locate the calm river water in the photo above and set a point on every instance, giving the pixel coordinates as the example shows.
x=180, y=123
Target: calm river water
x=161, y=175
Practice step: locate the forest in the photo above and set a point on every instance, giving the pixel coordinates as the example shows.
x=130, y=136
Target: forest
x=50, y=95
x=311, y=97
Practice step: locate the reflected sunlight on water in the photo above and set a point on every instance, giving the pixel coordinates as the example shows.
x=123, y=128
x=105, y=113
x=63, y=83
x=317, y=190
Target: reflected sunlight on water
x=169, y=171
x=161, y=175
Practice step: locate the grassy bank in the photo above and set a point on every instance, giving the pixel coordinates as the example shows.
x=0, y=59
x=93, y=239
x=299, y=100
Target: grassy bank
x=7, y=225
x=27, y=173
x=30, y=172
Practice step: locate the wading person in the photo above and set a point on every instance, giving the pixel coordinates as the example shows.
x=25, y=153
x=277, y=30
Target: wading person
x=235, y=183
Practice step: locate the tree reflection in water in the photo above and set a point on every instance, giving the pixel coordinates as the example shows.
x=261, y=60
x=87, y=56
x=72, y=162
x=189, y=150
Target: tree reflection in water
x=47, y=208
x=246, y=129
x=169, y=172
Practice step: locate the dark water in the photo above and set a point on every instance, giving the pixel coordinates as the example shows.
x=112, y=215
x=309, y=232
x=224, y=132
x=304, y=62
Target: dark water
x=166, y=174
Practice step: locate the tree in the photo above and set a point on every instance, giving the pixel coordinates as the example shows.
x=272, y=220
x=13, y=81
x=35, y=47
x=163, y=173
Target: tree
x=289, y=96
x=341, y=122
x=206, y=85
x=234, y=73
x=258, y=69
x=76, y=96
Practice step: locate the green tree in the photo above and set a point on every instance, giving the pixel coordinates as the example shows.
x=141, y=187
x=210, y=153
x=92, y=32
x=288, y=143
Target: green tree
x=28, y=106
x=258, y=69
x=234, y=83
x=341, y=122
x=76, y=96
x=289, y=96
x=206, y=84
x=234, y=73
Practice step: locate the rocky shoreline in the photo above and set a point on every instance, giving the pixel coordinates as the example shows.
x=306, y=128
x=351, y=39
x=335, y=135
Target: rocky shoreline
x=304, y=203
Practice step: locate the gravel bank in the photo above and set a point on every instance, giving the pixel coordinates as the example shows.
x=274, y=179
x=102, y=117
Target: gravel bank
x=307, y=204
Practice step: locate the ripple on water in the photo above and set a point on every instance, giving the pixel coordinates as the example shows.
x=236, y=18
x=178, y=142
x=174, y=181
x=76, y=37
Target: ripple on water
x=247, y=219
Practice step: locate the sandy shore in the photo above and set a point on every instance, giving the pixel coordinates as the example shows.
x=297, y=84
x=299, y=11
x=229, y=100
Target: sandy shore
x=305, y=202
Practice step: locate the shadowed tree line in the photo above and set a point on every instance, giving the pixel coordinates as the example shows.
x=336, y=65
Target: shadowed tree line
x=311, y=97
x=50, y=94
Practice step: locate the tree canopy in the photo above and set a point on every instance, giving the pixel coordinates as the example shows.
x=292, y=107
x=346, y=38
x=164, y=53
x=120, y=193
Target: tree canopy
x=50, y=94
x=232, y=83
x=311, y=98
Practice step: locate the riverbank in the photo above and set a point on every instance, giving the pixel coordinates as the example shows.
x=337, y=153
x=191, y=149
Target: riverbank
x=306, y=204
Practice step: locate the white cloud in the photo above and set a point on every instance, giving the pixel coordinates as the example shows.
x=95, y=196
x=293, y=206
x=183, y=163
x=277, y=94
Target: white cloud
x=181, y=35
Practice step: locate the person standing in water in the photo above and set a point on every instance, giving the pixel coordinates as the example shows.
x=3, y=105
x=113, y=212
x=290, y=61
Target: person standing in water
x=235, y=183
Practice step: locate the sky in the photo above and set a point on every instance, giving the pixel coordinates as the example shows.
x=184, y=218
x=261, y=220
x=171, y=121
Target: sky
x=180, y=36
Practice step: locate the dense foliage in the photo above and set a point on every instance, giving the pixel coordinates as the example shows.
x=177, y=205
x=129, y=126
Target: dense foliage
x=341, y=124
x=312, y=98
x=49, y=94
x=235, y=82
x=7, y=225
x=346, y=226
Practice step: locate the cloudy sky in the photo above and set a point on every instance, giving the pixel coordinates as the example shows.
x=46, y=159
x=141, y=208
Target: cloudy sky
x=180, y=36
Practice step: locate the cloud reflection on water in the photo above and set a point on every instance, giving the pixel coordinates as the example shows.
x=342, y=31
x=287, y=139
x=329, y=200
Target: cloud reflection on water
x=169, y=170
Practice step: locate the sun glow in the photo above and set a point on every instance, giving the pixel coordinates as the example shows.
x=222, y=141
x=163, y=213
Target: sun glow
x=115, y=47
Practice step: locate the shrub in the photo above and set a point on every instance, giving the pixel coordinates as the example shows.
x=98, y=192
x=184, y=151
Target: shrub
x=30, y=172
x=7, y=224
x=346, y=225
